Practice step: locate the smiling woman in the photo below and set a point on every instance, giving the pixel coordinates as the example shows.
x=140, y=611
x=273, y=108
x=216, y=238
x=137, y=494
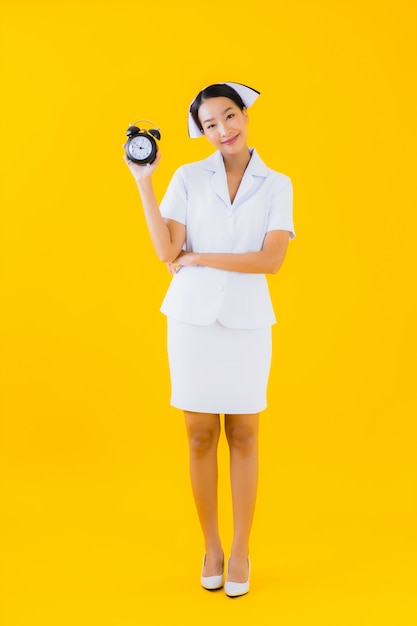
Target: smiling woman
x=223, y=224
x=223, y=90
x=225, y=126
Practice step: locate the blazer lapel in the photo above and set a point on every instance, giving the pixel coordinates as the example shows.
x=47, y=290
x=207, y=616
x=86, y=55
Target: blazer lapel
x=218, y=181
x=219, y=185
x=215, y=164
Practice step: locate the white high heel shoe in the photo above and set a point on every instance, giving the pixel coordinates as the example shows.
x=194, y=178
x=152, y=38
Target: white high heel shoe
x=211, y=583
x=233, y=590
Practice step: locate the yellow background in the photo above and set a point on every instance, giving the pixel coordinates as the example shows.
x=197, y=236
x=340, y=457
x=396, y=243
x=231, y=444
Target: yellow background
x=98, y=523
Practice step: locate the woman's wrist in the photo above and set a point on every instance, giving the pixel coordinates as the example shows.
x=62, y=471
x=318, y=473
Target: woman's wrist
x=144, y=183
x=196, y=258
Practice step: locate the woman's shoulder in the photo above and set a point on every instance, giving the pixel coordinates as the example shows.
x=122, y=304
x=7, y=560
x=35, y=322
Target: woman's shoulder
x=192, y=173
x=278, y=179
x=195, y=170
x=212, y=162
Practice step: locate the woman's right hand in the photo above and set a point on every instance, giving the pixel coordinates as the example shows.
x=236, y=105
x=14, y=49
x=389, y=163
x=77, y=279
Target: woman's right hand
x=142, y=172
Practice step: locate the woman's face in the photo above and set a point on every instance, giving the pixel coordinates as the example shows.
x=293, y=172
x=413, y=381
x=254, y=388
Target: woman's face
x=224, y=124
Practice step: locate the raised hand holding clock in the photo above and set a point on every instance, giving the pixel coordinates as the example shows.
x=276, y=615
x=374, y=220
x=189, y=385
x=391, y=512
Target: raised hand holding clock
x=142, y=172
x=142, y=154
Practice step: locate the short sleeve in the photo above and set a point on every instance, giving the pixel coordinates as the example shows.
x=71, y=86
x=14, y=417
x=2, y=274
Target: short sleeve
x=174, y=202
x=281, y=214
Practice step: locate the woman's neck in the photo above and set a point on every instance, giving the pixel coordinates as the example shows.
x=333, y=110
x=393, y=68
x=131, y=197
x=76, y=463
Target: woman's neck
x=237, y=163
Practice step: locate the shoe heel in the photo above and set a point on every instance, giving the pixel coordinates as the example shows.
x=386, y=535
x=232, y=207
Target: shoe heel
x=234, y=590
x=211, y=583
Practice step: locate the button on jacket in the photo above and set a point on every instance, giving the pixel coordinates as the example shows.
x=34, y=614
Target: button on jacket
x=198, y=197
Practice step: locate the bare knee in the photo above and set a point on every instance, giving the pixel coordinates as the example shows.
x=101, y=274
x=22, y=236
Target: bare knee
x=203, y=431
x=202, y=440
x=242, y=438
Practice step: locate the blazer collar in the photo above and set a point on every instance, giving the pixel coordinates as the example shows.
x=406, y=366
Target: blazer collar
x=256, y=167
x=214, y=163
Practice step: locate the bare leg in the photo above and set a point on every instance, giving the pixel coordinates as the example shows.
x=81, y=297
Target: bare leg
x=242, y=436
x=203, y=431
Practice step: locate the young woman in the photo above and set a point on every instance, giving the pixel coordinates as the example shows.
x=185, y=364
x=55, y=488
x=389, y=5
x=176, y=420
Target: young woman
x=223, y=224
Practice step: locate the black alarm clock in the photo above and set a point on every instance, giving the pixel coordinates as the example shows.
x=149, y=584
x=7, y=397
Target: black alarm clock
x=141, y=146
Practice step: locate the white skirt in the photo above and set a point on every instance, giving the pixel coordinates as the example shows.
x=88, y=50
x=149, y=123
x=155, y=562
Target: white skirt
x=215, y=369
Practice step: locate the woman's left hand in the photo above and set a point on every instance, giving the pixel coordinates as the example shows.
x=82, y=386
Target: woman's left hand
x=184, y=259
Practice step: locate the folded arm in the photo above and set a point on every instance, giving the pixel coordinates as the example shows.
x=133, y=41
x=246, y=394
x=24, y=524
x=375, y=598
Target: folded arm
x=268, y=260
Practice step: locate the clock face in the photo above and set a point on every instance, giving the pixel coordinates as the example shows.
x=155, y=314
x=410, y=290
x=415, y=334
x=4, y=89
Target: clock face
x=140, y=147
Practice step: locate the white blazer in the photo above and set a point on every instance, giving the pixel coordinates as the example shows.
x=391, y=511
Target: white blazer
x=198, y=197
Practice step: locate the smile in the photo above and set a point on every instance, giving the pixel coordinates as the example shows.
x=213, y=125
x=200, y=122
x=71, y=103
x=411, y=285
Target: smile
x=229, y=142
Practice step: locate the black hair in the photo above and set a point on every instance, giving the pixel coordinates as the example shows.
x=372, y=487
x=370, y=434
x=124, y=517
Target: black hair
x=218, y=90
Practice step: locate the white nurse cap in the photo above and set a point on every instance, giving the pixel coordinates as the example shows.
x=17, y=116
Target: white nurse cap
x=247, y=94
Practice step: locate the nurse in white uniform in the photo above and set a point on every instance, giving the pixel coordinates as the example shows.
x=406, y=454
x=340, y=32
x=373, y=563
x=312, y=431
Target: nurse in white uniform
x=223, y=224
